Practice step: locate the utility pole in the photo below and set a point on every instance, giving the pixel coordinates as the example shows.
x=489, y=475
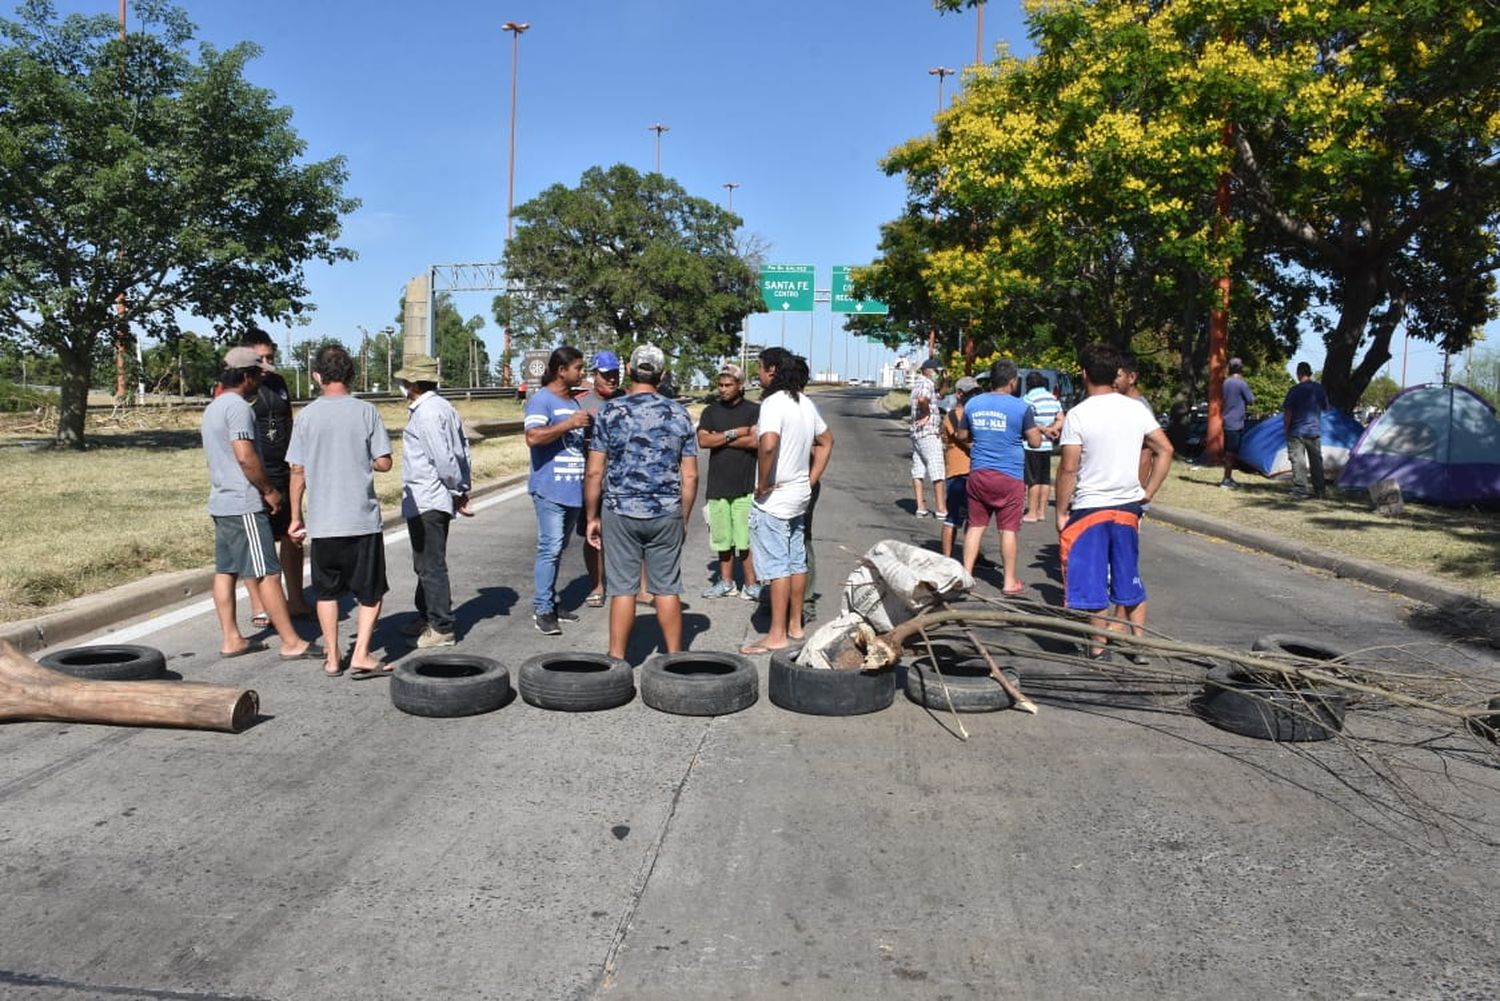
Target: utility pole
x=516, y=29
x=658, y=128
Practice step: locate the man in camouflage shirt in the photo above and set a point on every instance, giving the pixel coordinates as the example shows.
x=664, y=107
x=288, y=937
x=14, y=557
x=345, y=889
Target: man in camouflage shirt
x=638, y=490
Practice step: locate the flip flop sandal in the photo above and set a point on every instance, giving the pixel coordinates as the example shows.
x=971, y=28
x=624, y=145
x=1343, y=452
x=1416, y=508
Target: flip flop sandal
x=261, y=621
x=365, y=674
x=251, y=648
x=595, y=600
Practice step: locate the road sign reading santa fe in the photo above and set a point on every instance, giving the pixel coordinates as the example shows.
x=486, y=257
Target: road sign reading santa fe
x=787, y=288
x=843, y=302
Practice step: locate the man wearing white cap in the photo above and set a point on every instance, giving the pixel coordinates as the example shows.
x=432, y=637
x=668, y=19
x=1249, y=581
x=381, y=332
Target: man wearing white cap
x=435, y=482
x=926, y=441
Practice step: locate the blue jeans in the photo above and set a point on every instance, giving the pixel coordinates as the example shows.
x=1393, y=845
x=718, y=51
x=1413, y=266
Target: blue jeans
x=554, y=523
x=777, y=545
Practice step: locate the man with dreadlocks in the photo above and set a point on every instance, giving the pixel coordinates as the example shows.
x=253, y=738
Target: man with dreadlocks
x=793, y=447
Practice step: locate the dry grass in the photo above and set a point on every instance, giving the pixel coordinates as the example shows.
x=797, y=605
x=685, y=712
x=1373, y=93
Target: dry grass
x=1458, y=545
x=133, y=504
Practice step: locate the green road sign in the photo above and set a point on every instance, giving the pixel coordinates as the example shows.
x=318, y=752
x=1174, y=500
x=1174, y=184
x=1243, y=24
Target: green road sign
x=787, y=288
x=843, y=302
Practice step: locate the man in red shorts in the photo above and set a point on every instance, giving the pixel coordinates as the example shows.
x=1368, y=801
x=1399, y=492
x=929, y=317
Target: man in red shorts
x=1099, y=497
x=996, y=423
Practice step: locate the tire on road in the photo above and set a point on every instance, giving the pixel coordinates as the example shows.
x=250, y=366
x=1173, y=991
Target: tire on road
x=819, y=692
x=1255, y=706
x=695, y=683
x=968, y=680
x=1298, y=646
x=576, y=682
x=106, y=662
x=450, y=684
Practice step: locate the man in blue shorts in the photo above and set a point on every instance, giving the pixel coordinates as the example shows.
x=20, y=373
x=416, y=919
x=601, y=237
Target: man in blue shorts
x=639, y=488
x=1099, y=497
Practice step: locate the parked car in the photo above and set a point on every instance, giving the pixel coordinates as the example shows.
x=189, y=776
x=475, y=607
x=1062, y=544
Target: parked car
x=521, y=390
x=856, y=381
x=1061, y=384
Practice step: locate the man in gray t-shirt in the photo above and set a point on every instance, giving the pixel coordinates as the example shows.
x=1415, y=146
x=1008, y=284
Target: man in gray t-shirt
x=338, y=444
x=238, y=497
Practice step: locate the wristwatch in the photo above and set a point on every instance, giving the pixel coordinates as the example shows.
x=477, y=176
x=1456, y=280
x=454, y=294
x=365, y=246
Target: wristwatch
x=731, y=434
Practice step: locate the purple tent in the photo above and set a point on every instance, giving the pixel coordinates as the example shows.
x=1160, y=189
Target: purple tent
x=1440, y=443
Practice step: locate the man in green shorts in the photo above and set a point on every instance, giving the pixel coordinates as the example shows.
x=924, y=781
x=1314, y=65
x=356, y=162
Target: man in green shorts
x=727, y=430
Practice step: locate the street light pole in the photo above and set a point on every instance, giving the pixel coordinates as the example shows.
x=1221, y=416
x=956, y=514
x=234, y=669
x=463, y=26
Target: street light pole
x=729, y=186
x=516, y=29
x=658, y=128
x=979, y=34
x=940, y=72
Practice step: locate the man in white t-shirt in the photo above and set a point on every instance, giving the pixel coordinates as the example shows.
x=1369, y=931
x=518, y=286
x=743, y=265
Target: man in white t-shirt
x=793, y=446
x=1100, y=497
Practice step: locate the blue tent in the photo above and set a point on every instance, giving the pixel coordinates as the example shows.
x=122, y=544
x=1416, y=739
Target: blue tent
x=1264, y=446
x=1441, y=443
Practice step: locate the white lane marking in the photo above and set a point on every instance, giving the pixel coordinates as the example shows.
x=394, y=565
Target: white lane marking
x=206, y=605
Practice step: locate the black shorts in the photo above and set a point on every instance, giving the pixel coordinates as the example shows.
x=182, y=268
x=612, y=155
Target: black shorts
x=1038, y=469
x=354, y=563
x=1232, y=440
x=281, y=518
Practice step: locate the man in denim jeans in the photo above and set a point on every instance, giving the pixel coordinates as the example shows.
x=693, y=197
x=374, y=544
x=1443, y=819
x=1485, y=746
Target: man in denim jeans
x=1302, y=418
x=555, y=426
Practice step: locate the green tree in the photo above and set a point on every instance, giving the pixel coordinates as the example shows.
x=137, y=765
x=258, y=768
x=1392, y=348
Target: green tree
x=627, y=257
x=131, y=172
x=187, y=363
x=464, y=359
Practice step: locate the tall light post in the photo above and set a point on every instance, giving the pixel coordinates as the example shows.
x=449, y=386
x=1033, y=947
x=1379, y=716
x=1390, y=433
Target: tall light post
x=729, y=186
x=658, y=128
x=941, y=72
x=979, y=34
x=516, y=29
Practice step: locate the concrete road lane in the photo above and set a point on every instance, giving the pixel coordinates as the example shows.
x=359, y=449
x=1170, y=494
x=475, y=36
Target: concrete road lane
x=1110, y=846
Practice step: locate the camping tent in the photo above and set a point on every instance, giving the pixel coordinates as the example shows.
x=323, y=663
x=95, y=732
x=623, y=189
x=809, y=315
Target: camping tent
x=1441, y=443
x=1264, y=446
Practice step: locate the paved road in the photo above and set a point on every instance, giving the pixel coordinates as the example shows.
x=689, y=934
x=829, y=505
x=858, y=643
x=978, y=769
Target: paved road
x=1110, y=846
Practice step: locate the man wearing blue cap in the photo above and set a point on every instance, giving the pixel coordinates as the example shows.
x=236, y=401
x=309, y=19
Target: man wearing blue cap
x=605, y=387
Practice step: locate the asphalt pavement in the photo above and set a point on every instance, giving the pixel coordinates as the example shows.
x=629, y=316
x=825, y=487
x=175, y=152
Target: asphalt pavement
x=1112, y=845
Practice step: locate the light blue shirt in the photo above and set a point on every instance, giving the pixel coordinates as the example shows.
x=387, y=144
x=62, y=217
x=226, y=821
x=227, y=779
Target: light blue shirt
x=434, y=457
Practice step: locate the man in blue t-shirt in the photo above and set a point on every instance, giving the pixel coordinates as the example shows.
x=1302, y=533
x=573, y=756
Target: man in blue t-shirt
x=1302, y=419
x=641, y=483
x=555, y=426
x=997, y=423
x=1235, y=399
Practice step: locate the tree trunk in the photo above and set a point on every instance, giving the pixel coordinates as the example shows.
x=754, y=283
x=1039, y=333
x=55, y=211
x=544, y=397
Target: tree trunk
x=1361, y=292
x=73, y=397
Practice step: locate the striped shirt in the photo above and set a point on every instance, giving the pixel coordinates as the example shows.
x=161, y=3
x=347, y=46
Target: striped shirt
x=1046, y=408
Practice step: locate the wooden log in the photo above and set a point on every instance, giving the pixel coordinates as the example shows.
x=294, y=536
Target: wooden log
x=29, y=691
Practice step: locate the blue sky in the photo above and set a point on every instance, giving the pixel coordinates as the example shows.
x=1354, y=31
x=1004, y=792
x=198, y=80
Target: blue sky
x=795, y=100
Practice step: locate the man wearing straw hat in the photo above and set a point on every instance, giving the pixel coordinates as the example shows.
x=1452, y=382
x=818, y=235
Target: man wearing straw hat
x=435, y=481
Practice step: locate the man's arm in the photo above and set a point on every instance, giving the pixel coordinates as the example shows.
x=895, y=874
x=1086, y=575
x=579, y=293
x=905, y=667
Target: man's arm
x=296, y=488
x=1161, y=461
x=822, y=451
x=593, y=495
x=250, y=465
x=1033, y=436
x=546, y=434
x=765, y=462
x=689, y=476
x=1067, y=479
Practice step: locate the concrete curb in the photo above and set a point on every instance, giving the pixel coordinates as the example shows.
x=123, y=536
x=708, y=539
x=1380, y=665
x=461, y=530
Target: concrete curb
x=91, y=612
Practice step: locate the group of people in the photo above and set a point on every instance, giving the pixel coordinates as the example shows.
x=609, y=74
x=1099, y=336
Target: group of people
x=275, y=482
x=619, y=464
x=1301, y=424
x=995, y=452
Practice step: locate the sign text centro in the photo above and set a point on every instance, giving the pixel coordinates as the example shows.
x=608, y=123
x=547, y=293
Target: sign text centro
x=787, y=288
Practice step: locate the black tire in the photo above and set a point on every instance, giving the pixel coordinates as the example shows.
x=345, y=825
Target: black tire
x=450, y=684
x=1253, y=706
x=699, y=684
x=1299, y=646
x=119, y=662
x=820, y=692
x=968, y=681
x=576, y=682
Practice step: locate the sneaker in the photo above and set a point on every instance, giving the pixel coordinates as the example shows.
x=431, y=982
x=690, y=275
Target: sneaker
x=564, y=616
x=431, y=638
x=416, y=627
x=721, y=589
x=924, y=513
x=1229, y=484
x=752, y=592
x=547, y=624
